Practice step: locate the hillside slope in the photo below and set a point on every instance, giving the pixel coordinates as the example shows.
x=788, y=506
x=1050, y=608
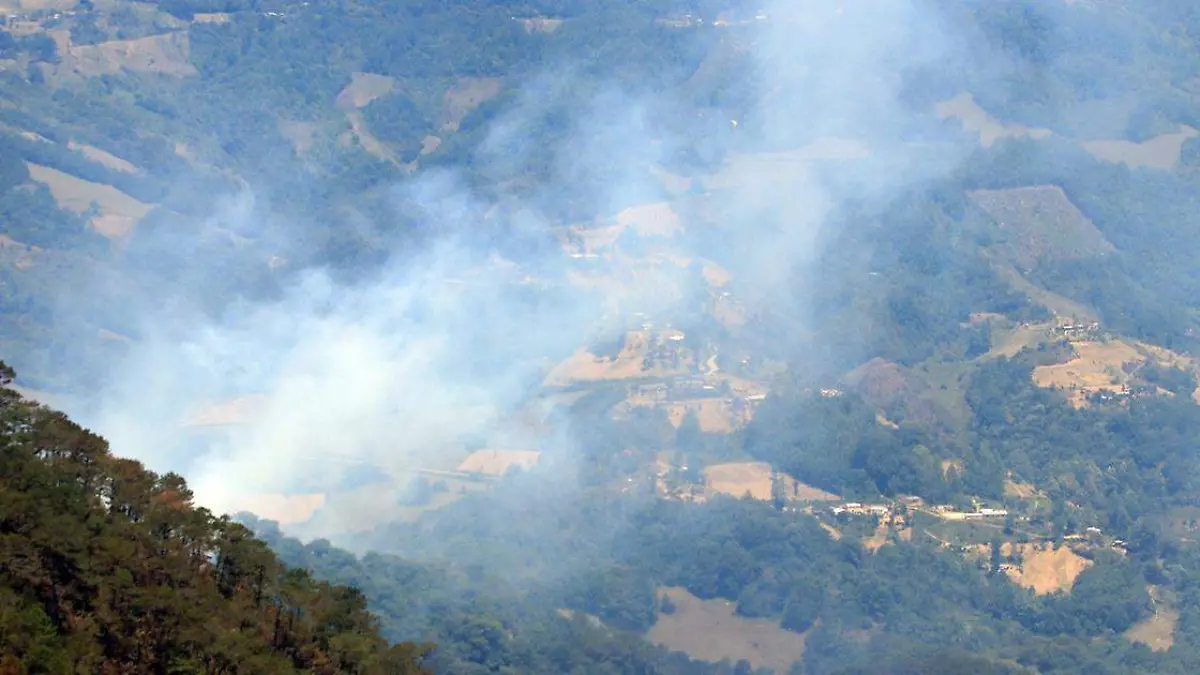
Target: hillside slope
x=105, y=567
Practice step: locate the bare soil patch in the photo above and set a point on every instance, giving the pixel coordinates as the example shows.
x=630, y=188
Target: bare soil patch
x=540, y=25
x=1045, y=569
x=709, y=630
x=715, y=275
x=754, y=478
x=1097, y=367
x=212, y=17
x=976, y=120
x=1157, y=631
x=165, y=54
x=364, y=88
x=466, y=95
x=118, y=212
x=1161, y=152
x=583, y=366
x=103, y=157
x=715, y=415
x=657, y=219
x=1008, y=343
x=498, y=462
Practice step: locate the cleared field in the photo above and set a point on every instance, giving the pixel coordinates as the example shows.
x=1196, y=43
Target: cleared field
x=119, y=213
x=103, y=157
x=715, y=415
x=709, y=630
x=165, y=54
x=1161, y=152
x=656, y=219
x=1041, y=223
x=583, y=366
x=364, y=88
x=1097, y=367
x=1045, y=569
x=498, y=462
x=1009, y=342
x=1058, y=305
x=738, y=479
x=466, y=95
x=1157, y=631
x=976, y=120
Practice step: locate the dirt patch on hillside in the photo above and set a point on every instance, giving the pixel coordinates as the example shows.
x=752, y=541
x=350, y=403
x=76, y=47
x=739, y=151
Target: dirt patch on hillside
x=882, y=383
x=976, y=120
x=710, y=630
x=102, y=157
x=118, y=212
x=738, y=479
x=364, y=88
x=212, y=17
x=1157, y=631
x=466, y=95
x=539, y=25
x=1161, y=152
x=1009, y=342
x=715, y=415
x=1041, y=224
x=498, y=462
x=1020, y=490
x=165, y=54
x=1097, y=367
x=1045, y=569
x=367, y=141
x=630, y=362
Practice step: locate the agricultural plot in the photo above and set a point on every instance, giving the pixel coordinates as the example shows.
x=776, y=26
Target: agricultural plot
x=710, y=630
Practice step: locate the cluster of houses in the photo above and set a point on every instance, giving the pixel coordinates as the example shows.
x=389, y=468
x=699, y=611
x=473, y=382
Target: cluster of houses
x=1077, y=331
x=886, y=511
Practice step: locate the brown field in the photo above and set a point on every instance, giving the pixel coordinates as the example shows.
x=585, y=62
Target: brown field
x=709, y=630
x=102, y=157
x=283, y=509
x=1045, y=569
x=119, y=213
x=715, y=415
x=540, y=25
x=739, y=478
x=430, y=144
x=1009, y=342
x=498, y=462
x=1097, y=366
x=165, y=54
x=1021, y=490
x=1157, y=631
x=1160, y=152
x=583, y=366
x=364, y=88
x=976, y=120
x=833, y=531
x=237, y=411
x=212, y=17
x=466, y=95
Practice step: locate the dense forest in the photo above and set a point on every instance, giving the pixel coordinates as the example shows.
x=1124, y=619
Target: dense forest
x=110, y=568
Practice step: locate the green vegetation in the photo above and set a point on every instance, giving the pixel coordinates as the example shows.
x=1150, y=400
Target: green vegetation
x=110, y=568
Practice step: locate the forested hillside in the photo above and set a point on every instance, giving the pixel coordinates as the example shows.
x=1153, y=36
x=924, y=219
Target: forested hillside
x=107, y=567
